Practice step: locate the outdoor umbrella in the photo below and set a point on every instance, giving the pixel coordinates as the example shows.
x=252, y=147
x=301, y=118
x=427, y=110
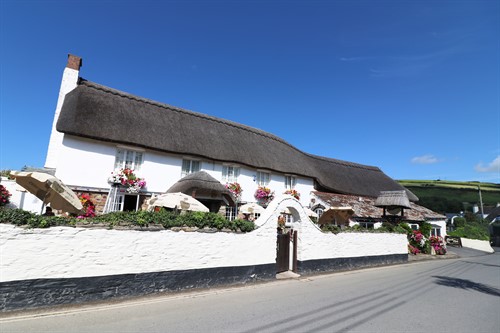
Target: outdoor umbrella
x=178, y=200
x=251, y=208
x=50, y=190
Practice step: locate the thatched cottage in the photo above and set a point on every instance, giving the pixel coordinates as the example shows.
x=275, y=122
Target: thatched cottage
x=97, y=130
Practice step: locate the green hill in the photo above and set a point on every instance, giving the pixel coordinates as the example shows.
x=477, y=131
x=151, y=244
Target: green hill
x=452, y=196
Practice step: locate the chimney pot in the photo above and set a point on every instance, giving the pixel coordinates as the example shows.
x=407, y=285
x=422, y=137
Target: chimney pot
x=74, y=62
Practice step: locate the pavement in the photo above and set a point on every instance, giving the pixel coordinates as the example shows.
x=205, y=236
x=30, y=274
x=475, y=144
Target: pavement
x=420, y=257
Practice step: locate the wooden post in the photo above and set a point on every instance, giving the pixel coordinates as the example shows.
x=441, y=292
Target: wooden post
x=295, y=246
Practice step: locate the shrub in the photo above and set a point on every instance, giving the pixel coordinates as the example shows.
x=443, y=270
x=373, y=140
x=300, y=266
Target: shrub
x=167, y=219
x=437, y=242
x=472, y=231
x=459, y=222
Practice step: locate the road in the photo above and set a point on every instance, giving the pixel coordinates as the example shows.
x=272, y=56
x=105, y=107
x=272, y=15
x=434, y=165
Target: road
x=452, y=295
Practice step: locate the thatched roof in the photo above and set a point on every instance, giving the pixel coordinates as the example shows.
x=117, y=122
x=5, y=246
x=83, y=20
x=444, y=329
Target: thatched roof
x=392, y=199
x=101, y=113
x=364, y=207
x=201, y=183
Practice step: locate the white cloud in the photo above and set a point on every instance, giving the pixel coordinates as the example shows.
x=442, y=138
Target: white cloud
x=493, y=166
x=425, y=159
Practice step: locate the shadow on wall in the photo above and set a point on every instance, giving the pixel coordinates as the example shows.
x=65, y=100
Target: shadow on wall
x=466, y=285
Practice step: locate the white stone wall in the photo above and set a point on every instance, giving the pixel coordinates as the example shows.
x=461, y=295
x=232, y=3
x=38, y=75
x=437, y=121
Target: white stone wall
x=64, y=252
x=476, y=244
x=78, y=252
x=21, y=198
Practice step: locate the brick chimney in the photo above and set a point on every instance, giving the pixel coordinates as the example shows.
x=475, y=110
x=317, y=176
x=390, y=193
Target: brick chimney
x=74, y=62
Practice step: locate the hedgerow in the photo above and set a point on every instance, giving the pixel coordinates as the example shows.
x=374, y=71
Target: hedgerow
x=141, y=219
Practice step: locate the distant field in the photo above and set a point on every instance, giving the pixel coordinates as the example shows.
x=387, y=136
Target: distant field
x=452, y=196
x=451, y=184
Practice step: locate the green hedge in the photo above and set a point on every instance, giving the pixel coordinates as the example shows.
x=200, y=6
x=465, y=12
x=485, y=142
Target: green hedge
x=472, y=231
x=144, y=219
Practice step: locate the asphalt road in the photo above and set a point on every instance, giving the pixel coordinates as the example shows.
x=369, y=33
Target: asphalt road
x=452, y=295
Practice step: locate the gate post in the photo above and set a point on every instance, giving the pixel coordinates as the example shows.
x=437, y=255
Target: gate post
x=295, y=245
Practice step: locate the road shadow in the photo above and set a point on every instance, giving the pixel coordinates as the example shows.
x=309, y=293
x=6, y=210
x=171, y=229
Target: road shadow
x=466, y=285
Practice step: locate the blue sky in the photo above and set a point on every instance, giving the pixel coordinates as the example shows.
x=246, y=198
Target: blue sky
x=412, y=87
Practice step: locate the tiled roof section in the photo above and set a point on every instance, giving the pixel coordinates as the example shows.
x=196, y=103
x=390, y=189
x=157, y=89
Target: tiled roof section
x=364, y=207
x=98, y=112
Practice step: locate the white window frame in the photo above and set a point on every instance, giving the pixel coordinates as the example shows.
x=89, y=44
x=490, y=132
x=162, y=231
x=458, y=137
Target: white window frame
x=230, y=173
x=290, y=182
x=231, y=213
x=436, y=231
x=263, y=178
x=128, y=158
x=192, y=167
x=319, y=211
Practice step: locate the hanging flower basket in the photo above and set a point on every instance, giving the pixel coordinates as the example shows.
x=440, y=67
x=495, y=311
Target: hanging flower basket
x=264, y=195
x=126, y=177
x=235, y=189
x=293, y=193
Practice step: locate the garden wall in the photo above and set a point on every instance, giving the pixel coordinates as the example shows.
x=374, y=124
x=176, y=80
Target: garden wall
x=61, y=265
x=475, y=244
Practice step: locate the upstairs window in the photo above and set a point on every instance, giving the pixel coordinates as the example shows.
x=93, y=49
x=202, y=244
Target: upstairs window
x=189, y=166
x=290, y=182
x=262, y=178
x=230, y=174
x=128, y=159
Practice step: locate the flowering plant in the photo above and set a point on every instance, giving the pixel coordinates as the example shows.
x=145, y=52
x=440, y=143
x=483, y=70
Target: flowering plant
x=88, y=206
x=417, y=241
x=235, y=189
x=293, y=193
x=128, y=178
x=413, y=250
x=264, y=195
x=4, y=196
x=438, y=244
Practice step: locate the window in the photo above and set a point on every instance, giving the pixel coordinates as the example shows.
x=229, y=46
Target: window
x=128, y=159
x=189, y=166
x=231, y=213
x=262, y=178
x=290, y=182
x=436, y=231
x=319, y=211
x=366, y=225
x=230, y=173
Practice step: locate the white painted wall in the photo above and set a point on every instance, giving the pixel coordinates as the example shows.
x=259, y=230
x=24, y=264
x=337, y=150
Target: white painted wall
x=480, y=245
x=20, y=198
x=69, y=82
x=89, y=163
x=78, y=252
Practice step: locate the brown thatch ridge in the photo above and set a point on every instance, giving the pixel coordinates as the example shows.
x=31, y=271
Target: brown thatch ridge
x=202, y=183
x=392, y=199
x=98, y=112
